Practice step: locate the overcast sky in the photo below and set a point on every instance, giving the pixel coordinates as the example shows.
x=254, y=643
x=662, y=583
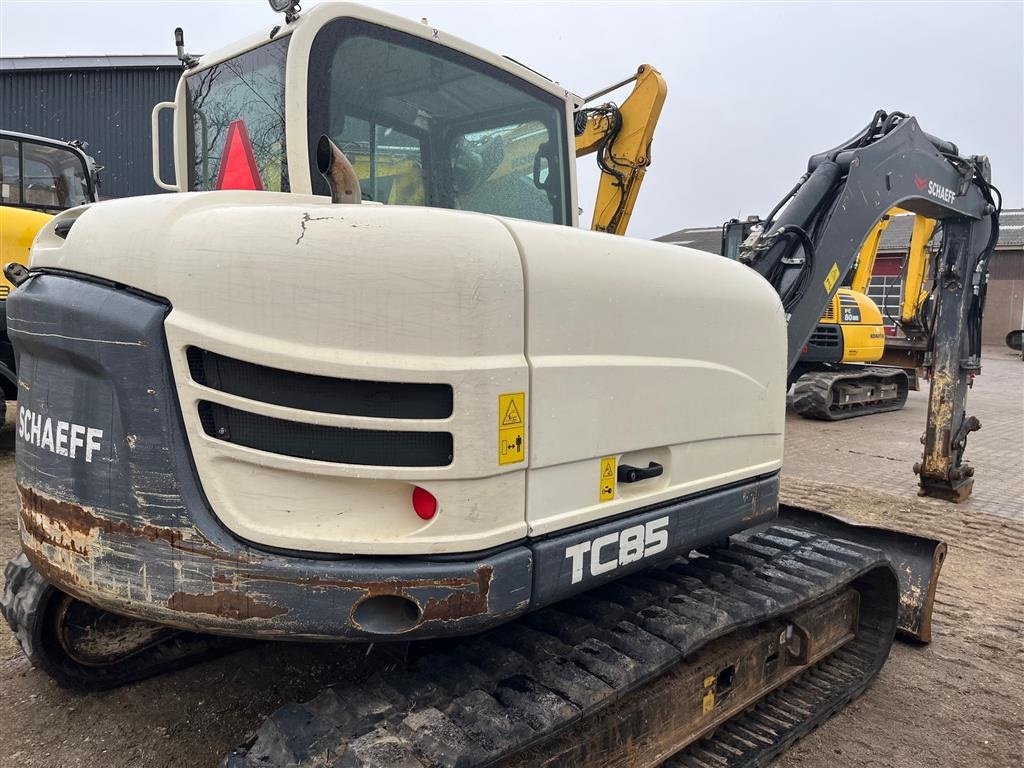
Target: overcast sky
x=754, y=89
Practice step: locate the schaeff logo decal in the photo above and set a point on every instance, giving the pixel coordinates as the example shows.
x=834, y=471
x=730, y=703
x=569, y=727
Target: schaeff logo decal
x=63, y=438
x=945, y=194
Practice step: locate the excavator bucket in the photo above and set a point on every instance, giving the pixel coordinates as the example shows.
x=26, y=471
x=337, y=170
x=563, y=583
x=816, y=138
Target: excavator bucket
x=916, y=559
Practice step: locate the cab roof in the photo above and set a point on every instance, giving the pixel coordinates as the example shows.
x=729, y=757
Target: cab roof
x=309, y=22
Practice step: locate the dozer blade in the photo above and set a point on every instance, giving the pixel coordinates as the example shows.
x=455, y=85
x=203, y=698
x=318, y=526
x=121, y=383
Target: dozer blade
x=916, y=559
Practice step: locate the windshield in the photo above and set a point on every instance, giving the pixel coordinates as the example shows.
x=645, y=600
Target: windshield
x=42, y=176
x=425, y=125
x=238, y=128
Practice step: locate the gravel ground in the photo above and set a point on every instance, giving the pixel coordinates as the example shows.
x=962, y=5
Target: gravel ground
x=957, y=702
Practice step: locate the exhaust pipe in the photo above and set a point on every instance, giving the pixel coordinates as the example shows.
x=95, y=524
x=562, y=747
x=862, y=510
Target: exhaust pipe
x=340, y=175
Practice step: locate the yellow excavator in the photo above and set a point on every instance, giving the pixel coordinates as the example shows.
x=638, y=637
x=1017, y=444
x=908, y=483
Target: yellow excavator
x=39, y=177
x=835, y=376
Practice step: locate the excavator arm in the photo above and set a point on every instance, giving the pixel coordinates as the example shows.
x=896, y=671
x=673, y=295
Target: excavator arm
x=621, y=136
x=915, y=271
x=914, y=293
x=813, y=236
x=869, y=253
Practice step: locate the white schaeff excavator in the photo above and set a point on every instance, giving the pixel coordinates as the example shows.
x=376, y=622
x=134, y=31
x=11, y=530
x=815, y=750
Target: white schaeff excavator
x=250, y=410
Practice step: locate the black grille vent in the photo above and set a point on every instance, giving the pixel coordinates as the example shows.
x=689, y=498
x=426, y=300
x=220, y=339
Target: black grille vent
x=341, y=445
x=825, y=336
x=349, y=397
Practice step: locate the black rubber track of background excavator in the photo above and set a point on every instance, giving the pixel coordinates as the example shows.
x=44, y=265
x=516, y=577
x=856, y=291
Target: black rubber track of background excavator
x=481, y=701
x=813, y=393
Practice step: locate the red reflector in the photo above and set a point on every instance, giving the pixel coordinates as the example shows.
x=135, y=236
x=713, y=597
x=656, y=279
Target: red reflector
x=424, y=503
x=805, y=350
x=238, y=164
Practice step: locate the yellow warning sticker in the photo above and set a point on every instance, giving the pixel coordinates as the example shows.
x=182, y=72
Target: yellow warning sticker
x=606, y=490
x=831, y=277
x=708, y=698
x=511, y=427
x=708, y=701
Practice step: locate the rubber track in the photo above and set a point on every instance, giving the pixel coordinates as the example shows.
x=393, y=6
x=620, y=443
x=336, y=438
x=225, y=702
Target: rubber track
x=784, y=716
x=23, y=593
x=812, y=394
x=475, y=702
x=26, y=600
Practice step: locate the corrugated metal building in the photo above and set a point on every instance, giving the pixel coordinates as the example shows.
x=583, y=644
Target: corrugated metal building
x=105, y=101
x=1004, y=305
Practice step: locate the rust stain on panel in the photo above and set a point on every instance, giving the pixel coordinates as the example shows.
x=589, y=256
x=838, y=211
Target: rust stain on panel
x=224, y=603
x=469, y=596
x=82, y=522
x=50, y=571
x=462, y=604
x=48, y=531
x=64, y=524
x=370, y=588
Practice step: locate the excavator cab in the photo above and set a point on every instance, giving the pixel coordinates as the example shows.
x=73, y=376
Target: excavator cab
x=734, y=232
x=420, y=123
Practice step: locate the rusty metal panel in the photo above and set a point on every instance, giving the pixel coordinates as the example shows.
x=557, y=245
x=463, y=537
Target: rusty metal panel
x=119, y=519
x=113, y=513
x=112, y=510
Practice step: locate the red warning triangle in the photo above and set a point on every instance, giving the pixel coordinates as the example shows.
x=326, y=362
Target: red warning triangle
x=238, y=164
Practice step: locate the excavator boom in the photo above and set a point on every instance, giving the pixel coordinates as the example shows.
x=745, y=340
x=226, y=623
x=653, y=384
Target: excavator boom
x=814, y=241
x=621, y=137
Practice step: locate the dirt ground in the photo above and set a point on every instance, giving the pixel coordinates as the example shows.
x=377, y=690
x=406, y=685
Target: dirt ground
x=958, y=702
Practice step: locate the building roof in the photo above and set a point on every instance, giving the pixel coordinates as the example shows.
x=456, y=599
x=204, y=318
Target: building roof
x=702, y=238
x=36, y=63
x=895, y=238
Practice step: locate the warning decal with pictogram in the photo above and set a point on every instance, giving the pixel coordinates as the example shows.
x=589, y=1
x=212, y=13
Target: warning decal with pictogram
x=511, y=417
x=606, y=483
x=511, y=427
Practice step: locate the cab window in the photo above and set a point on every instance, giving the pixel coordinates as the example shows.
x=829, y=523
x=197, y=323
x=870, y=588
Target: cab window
x=426, y=125
x=41, y=176
x=389, y=163
x=236, y=109
x=10, y=172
